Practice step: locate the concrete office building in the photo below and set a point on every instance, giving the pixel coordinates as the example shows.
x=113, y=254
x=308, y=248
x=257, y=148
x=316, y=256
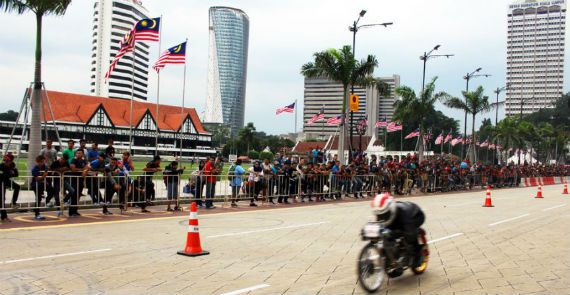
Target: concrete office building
x=535, y=55
x=112, y=19
x=227, y=68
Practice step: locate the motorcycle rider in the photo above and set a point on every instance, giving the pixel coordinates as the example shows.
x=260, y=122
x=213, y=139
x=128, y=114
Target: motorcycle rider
x=406, y=217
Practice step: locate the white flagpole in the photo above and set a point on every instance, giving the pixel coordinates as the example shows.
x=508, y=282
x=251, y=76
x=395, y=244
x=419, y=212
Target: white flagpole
x=182, y=107
x=296, y=107
x=132, y=98
x=158, y=87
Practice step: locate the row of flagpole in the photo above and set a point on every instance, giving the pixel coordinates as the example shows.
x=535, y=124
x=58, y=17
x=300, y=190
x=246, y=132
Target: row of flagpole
x=151, y=30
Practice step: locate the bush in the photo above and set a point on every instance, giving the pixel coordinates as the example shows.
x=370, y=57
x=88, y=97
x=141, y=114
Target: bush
x=266, y=155
x=253, y=155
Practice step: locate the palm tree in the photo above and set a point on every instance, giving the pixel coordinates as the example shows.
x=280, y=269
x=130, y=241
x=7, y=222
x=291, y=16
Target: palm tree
x=507, y=133
x=247, y=134
x=341, y=66
x=39, y=8
x=412, y=108
x=475, y=102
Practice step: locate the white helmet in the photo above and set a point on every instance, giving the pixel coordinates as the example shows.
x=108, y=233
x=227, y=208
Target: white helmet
x=384, y=207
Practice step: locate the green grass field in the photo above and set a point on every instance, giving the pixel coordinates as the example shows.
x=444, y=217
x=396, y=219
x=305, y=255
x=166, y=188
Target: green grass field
x=139, y=165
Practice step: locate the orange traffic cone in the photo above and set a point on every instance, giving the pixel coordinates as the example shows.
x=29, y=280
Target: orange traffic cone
x=488, y=202
x=565, y=191
x=193, y=247
x=539, y=192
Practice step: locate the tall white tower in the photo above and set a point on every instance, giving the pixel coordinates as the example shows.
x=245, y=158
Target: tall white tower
x=112, y=19
x=535, y=55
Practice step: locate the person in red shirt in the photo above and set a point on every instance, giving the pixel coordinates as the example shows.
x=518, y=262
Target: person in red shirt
x=210, y=172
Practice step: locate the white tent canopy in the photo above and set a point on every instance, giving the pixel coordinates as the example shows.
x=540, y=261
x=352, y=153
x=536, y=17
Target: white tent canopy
x=524, y=157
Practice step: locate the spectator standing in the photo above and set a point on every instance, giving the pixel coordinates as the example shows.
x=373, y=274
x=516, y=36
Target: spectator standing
x=210, y=172
x=58, y=168
x=93, y=153
x=8, y=170
x=151, y=168
x=79, y=169
x=172, y=181
x=198, y=176
x=115, y=183
x=69, y=151
x=93, y=184
x=84, y=149
x=110, y=150
x=49, y=153
x=40, y=184
x=235, y=175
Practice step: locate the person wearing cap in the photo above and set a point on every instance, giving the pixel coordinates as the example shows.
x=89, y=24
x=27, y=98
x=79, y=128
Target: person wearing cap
x=151, y=168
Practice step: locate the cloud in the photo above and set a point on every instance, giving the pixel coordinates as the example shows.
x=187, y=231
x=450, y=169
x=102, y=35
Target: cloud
x=283, y=36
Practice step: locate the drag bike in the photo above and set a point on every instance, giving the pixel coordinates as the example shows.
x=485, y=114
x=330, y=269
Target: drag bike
x=387, y=254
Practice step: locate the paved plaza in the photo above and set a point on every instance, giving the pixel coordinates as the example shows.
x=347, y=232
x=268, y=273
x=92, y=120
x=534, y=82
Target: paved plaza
x=520, y=246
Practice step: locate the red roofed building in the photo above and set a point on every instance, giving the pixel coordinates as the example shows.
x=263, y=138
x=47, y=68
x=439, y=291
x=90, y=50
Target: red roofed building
x=98, y=119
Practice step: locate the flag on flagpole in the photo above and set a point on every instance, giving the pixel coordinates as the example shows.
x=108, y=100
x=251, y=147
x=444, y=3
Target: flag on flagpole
x=317, y=117
x=143, y=30
x=485, y=144
x=381, y=123
x=448, y=138
x=172, y=56
x=454, y=141
x=148, y=30
x=334, y=120
x=286, y=109
x=393, y=127
x=439, y=139
x=413, y=134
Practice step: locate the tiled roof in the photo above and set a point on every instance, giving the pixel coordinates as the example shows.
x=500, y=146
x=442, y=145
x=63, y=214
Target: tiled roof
x=79, y=108
x=303, y=147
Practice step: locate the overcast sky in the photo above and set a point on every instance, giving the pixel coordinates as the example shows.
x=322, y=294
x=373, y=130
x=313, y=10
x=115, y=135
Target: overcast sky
x=283, y=36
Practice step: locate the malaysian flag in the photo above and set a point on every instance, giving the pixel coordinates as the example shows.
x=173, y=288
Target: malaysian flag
x=286, y=109
x=439, y=139
x=448, y=138
x=381, y=123
x=393, y=127
x=317, y=117
x=485, y=144
x=478, y=143
x=363, y=122
x=334, y=120
x=148, y=30
x=491, y=146
x=174, y=55
x=143, y=30
x=455, y=141
x=413, y=134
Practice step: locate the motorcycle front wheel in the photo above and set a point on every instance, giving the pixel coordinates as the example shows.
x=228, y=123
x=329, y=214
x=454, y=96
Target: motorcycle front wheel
x=421, y=267
x=371, y=272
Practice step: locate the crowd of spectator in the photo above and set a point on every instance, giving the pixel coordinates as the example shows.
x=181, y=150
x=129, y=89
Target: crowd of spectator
x=315, y=177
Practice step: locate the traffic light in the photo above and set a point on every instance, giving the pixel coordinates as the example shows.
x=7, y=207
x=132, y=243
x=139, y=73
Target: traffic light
x=353, y=107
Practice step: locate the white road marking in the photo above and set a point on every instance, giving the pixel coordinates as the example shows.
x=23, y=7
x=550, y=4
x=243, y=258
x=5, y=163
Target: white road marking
x=547, y=209
x=507, y=220
x=266, y=230
x=245, y=290
x=54, y=256
x=445, y=238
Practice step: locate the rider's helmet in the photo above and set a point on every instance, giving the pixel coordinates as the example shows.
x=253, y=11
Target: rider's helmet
x=384, y=207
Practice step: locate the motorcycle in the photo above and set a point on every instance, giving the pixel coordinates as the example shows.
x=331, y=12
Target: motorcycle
x=387, y=254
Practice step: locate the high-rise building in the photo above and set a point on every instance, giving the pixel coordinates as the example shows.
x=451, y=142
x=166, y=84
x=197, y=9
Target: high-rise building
x=112, y=19
x=227, y=69
x=535, y=55
x=324, y=94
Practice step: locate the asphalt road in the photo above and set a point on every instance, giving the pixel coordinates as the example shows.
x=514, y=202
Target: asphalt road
x=520, y=246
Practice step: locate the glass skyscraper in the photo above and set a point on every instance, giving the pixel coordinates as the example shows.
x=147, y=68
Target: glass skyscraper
x=227, y=68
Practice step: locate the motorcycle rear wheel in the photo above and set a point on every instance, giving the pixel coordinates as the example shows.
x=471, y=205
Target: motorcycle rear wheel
x=371, y=272
x=421, y=268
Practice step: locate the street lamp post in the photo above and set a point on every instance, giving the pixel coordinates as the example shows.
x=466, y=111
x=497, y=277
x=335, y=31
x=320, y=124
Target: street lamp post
x=424, y=58
x=468, y=77
x=354, y=28
x=496, y=106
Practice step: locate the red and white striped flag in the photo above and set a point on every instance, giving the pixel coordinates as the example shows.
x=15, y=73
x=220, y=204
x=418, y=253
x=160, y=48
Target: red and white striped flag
x=448, y=138
x=413, y=134
x=439, y=139
x=286, y=109
x=381, y=123
x=485, y=144
x=393, y=127
x=172, y=56
x=334, y=120
x=317, y=117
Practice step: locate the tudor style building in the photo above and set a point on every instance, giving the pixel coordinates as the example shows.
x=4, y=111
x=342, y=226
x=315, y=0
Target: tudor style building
x=98, y=119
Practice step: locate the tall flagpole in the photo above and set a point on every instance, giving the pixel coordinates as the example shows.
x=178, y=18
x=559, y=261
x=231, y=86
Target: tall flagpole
x=182, y=107
x=296, y=107
x=402, y=139
x=158, y=87
x=132, y=98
